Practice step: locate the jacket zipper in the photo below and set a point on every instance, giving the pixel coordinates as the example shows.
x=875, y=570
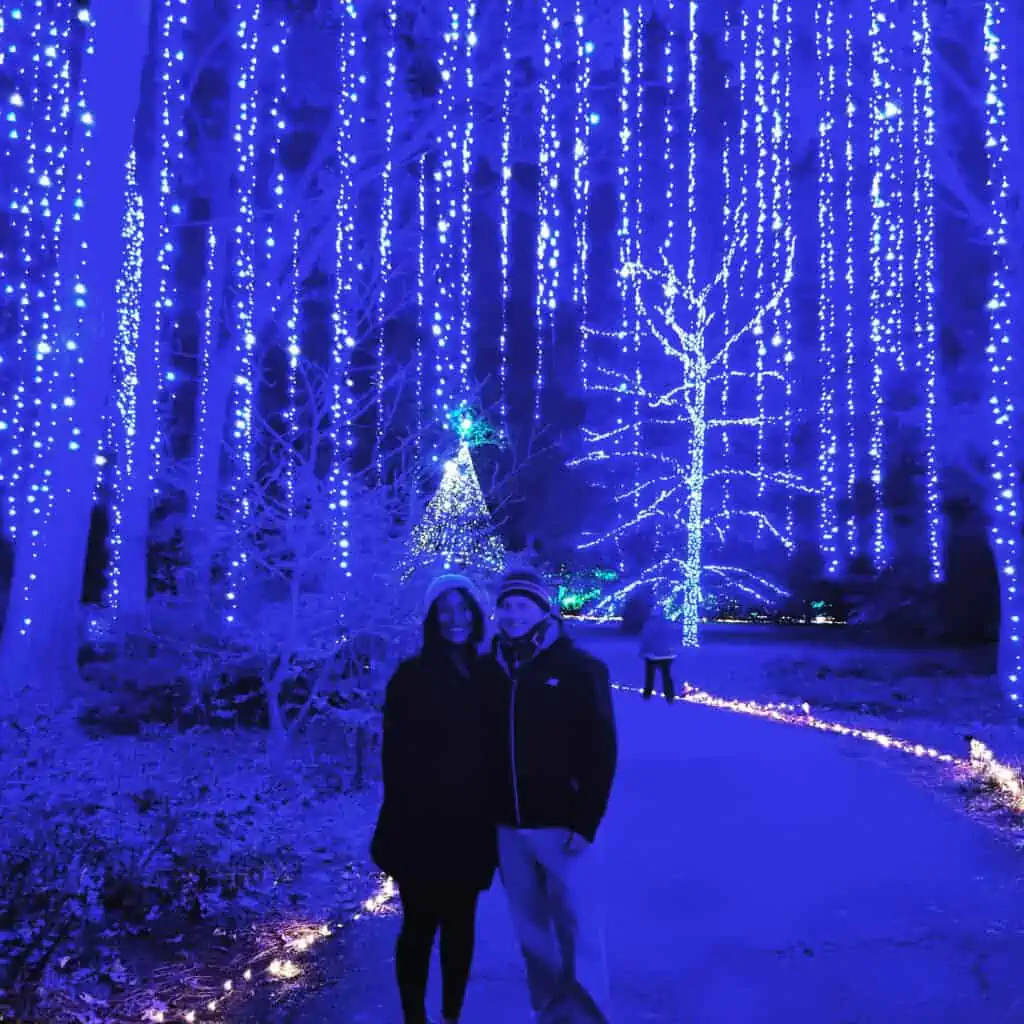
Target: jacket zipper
x=512, y=736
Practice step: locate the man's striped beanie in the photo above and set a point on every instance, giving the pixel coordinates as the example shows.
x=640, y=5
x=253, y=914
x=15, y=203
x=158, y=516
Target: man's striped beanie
x=526, y=583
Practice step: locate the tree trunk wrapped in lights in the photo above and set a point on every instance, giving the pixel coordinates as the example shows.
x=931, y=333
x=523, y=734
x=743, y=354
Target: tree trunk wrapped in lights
x=684, y=356
x=40, y=639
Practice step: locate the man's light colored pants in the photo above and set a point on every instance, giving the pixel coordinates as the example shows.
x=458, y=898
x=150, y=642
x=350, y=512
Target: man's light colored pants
x=553, y=896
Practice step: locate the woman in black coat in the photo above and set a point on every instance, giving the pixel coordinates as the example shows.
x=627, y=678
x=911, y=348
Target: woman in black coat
x=436, y=835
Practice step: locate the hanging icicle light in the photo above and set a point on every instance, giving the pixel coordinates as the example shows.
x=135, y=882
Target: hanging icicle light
x=548, y=217
x=924, y=277
x=244, y=272
x=344, y=316
x=387, y=223
x=1005, y=524
x=828, y=349
x=506, y=211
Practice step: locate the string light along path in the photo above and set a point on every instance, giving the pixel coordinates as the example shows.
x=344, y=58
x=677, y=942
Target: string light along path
x=281, y=960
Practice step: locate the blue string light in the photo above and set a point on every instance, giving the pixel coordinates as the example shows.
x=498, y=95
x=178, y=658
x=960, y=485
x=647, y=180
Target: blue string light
x=344, y=316
x=68, y=126
x=782, y=339
x=469, y=40
x=636, y=129
x=294, y=325
x=46, y=115
x=548, y=229
x=123, y=437
x=506, y=214
x=421, y=294
x=1005, y=524
x=243, y=398
x=387, y=220
x=829, y=353
x=172, y=24
x=14, y=375
x=581, y=181
x=693, y=107
x=211, y=339
x=277, y=117
x=886, y=247
x=446, y=193
x=925, y=319
x=851, y=280
x=629, y=230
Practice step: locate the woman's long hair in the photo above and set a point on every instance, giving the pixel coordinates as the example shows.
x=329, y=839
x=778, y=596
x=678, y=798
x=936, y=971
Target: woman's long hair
x=434, y=644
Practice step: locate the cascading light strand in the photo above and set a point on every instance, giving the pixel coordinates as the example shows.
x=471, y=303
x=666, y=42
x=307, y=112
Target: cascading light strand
x=850, y=281
x=421, y=295
x=547, y=198
x=466, y=177
x=211, y=339
x=123, y=438
x=1004, y=474
x=766, y=176
x=64, y=305
x=172, y=24
x=248, y=32
x=18, y=198
x=629, y=233
x=637, y=129
x=828, y=354
x=886, y=248
x=924, y=280
x=344, y=317
x=505, y=191
x=581, y=181
x=444, y=285
x=693, y=108
x=782, y=340
x=48, y=123
x=294, y=354
x=279, y=126
x=387, y=222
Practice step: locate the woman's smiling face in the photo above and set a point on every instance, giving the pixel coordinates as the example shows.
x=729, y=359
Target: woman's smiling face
x=454, y=617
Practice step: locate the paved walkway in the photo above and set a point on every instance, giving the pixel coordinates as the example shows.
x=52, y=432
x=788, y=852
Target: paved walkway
x=758, y=872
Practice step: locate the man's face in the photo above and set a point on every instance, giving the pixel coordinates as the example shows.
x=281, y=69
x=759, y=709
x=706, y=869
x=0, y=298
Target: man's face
x=517, y=615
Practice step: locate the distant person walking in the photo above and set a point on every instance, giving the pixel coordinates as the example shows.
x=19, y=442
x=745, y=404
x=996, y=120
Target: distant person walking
x=659, y=648
x=436, y=834
x=557, y=762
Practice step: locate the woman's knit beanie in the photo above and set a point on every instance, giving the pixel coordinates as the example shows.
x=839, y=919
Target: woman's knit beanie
x=451, y=581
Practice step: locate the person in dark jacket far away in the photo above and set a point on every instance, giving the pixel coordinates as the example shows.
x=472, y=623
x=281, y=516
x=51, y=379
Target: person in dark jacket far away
x=558, y=761
x=659, y=647
x=436, y=834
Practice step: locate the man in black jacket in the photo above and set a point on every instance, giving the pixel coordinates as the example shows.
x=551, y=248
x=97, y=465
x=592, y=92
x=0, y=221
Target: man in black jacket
x=556, y=762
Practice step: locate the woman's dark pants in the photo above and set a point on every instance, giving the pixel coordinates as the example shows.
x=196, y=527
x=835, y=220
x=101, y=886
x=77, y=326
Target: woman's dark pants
x=426, y=910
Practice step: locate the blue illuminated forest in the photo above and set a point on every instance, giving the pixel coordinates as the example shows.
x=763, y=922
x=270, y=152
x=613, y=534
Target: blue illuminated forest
x=711, y=306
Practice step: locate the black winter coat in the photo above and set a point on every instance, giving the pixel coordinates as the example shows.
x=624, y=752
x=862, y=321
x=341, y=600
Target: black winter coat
x=436, y=825
x=557, y=749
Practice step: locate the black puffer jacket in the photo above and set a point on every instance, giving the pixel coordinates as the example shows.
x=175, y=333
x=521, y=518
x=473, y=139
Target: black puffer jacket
x=557, y=750
x=436, y=825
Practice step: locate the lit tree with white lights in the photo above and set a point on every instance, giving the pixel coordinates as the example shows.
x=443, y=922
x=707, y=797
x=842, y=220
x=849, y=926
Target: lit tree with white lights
x=457, y=527
x=693, y=371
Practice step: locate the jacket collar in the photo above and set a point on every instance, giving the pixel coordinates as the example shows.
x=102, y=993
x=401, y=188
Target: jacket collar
x=514, y=655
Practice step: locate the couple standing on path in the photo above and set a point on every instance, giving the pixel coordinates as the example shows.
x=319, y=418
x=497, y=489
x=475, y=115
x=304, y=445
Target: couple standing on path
x=497, y=758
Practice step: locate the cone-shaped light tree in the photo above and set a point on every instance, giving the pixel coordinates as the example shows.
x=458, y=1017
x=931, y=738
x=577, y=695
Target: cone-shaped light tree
x=457, y=528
